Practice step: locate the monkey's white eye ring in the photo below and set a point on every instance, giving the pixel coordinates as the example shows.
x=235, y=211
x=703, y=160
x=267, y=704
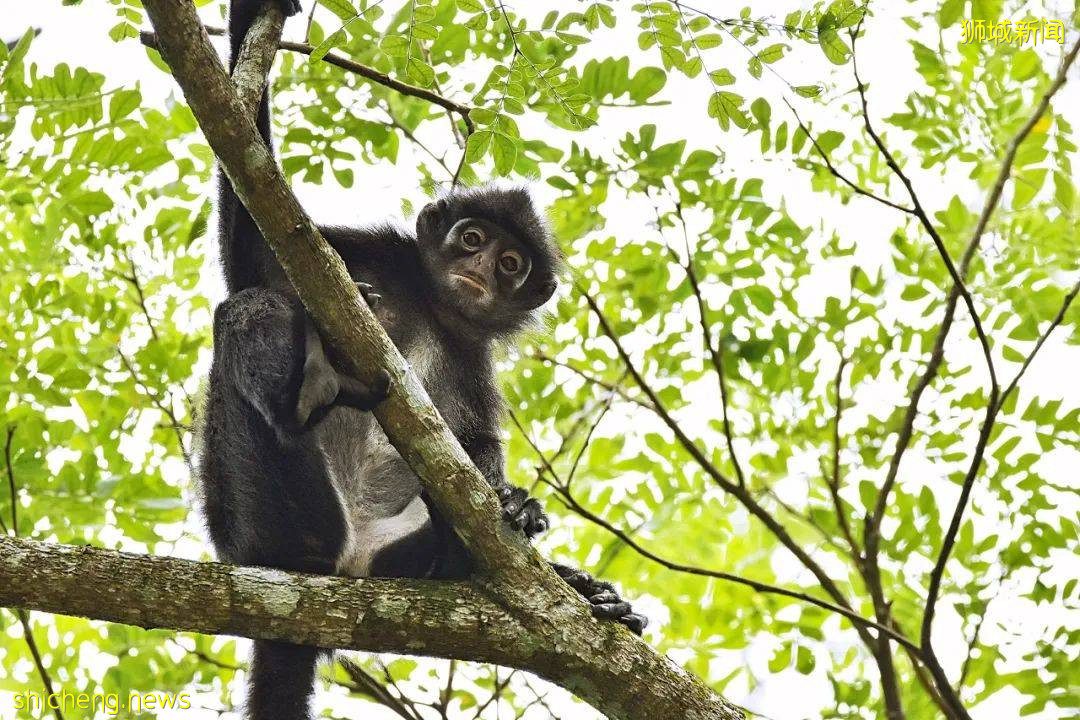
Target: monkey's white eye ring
x=511, y=262
x=472, y=238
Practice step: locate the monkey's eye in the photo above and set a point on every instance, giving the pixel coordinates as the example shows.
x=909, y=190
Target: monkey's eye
x=472, y=238
x=510, y=262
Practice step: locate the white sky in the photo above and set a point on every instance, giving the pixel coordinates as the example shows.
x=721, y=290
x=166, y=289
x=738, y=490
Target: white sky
x=78, y=35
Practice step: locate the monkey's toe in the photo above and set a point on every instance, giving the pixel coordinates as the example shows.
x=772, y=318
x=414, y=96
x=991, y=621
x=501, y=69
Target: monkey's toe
x=636, y=623
x=604, y=600
x=371, y=297
x=611, y=611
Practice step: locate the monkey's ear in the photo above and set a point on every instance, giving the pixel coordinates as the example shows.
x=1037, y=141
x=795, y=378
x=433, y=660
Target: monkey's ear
x=430, y=219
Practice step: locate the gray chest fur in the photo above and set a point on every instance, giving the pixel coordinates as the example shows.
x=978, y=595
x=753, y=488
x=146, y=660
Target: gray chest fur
x=379, y=493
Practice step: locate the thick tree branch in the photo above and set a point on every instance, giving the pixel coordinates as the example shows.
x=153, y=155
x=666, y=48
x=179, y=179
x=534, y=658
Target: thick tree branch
x=433, y=618
x=603, y=663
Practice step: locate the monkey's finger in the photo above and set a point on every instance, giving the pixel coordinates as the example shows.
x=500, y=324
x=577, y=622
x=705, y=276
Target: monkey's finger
x=604, y=598
x=611, y=611
x=539, y=525
x=579, y=581
x=515, y=502
x=597, y=587
x=373, y=300
x=636, y=623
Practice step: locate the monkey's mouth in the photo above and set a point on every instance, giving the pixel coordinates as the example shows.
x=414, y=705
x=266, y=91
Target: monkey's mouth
x=472, y=280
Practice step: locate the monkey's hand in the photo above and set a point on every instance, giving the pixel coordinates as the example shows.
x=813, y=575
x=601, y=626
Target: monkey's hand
x=603, y=598
x=521, y=511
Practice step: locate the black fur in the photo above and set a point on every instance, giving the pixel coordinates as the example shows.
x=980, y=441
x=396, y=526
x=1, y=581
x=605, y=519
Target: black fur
x=293, y=473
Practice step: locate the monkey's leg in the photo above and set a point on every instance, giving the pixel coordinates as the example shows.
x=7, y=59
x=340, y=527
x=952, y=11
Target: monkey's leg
x=603, y=598
x=268, y=495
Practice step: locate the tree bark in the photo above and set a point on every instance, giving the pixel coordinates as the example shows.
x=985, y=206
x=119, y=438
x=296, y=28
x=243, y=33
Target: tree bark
x=421, y=617
x=517, y=612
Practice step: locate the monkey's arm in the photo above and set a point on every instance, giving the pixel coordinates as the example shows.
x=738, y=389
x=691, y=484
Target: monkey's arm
x=521, y=511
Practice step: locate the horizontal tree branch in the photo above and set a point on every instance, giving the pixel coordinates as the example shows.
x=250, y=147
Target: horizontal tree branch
x=442, y=619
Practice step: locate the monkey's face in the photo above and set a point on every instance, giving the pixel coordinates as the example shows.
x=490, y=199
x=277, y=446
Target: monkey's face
x=480, y=268
x=492, y=273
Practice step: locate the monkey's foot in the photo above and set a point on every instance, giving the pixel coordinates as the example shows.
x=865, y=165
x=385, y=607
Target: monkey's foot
x=603, y=598
x=289, y=7
x=522, y=512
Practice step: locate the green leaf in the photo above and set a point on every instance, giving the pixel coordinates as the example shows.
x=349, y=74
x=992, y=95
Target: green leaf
x=123, y=103
x=647, y=82
x=727, y=106
x=478, y=145
x=342, y=8
x=781, y=659
x=420, y=72
x=833, y=46
x=773, y=53
x=504, y=153
x=808, y=91
x=722, y=76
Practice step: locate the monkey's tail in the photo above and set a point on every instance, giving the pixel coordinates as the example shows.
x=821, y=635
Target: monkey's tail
x=245, y=256
x=282, y=679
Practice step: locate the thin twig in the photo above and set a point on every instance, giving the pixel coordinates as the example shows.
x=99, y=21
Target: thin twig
x=366, y=683
x=836, y=172
x=560, y=487
x=594, y=380
x=8, y=465
x=397, y=124
x=149, y=39
x=741, y=493
x=134, y=280
x=833, y=481
x=928, y=225
x=163, y=407
x=715, y=351
x=23, y=615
